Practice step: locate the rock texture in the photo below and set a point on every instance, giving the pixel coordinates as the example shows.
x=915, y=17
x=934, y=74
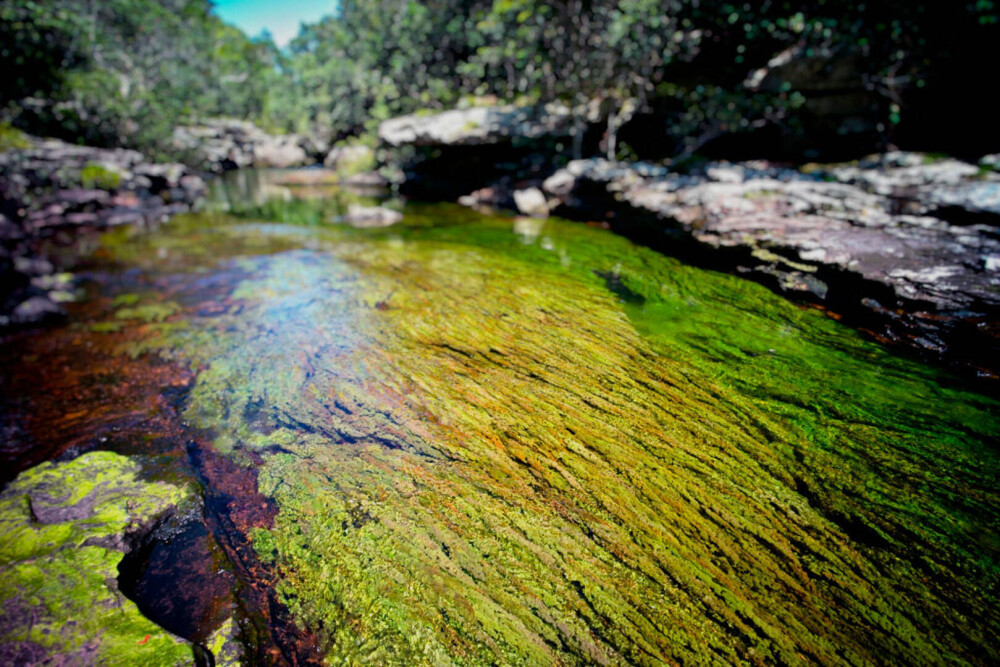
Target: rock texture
x=906, y=246
x=222, y=144
x=53, y=190
x=450, y=154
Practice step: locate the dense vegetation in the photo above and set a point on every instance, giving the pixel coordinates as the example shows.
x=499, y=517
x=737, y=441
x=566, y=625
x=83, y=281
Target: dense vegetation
x=124, y=71
x=112, y=72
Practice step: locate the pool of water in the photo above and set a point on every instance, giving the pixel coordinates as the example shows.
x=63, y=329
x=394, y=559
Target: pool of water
x=497, y=440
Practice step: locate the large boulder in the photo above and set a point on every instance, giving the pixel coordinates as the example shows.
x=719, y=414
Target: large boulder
x=450, y=154
x=477, y=126
x=63, y=530
x=283, y=151
x=224, y=144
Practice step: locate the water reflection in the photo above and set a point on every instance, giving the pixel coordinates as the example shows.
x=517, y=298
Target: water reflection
x=301, y=196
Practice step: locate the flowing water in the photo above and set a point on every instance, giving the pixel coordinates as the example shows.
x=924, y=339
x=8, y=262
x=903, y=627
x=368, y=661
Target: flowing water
x=491, y=440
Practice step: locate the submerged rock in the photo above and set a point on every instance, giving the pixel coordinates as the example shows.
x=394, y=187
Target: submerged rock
x=371, y=216
x=63, y=528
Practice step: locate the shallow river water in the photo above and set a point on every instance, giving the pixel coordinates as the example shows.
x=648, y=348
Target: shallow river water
x=492, y=440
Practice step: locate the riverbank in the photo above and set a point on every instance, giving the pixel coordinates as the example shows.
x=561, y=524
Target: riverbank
x=53, y=192
x=903, y=246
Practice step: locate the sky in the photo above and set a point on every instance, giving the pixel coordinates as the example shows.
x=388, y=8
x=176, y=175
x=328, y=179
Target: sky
x=280, y=17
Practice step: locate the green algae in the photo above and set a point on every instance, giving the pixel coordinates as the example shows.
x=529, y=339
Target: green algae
x=150, y=312
x=495, y=442
x=61, y=530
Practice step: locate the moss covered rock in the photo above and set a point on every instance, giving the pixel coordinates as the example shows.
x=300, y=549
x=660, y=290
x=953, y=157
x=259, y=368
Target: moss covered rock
x=62, y=531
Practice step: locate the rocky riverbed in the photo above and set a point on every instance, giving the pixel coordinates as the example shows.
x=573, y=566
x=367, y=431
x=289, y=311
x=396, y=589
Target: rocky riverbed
x=488, y=439
x=51, y=192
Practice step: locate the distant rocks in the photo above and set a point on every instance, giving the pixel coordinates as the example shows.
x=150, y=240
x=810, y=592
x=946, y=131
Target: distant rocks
x=531, y=201
x=221, y=144
x=477, y=126
x=871, y=241
x=52, y=190
x=451, y=153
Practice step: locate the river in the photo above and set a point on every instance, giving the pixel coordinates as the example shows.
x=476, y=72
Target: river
x=481, y=439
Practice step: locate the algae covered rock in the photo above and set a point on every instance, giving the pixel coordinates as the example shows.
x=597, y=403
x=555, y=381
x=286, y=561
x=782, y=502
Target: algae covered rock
x=62, y=531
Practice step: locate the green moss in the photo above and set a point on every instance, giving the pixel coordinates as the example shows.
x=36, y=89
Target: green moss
x=150, y=312
x=491, y=447
x=58, y=525
x=95, y=175
x=125, y=300
x=12, y=138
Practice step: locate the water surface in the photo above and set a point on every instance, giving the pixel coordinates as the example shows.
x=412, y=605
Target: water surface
x=493, y=440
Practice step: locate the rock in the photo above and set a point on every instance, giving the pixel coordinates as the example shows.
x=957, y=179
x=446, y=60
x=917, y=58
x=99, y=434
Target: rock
x=345, y=157
x=63, y=527
x=916, y=279
x=371, y=216
x=531, y=201
x=477, y=126
x=44, y=195
x=368, y=179
x=279, y=152
x=33, y=266
x=499, y=195
x=452, y=153
x=223, y=144
x=36, y=309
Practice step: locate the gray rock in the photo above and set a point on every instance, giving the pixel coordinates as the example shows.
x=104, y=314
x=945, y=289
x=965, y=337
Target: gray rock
x=33, y=266
x=36, y=309
x=990, y=162
x=221, y=144
x=531, y=201
x=279, y=152
x=477, y=126
x=371, y=216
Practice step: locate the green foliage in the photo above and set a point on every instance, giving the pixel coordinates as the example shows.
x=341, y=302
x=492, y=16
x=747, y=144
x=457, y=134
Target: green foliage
x=124, y=72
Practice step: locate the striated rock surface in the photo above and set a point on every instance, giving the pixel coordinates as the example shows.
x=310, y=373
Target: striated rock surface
x=872, y=241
